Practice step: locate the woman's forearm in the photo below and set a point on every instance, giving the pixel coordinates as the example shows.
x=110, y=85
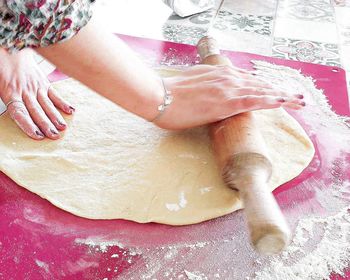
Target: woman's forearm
x=201, y=94
x=101, y=61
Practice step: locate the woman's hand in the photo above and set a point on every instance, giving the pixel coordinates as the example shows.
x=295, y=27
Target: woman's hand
x=31, y=101
x=205, y=94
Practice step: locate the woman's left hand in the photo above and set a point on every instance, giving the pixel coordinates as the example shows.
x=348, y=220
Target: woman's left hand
x=30, y=100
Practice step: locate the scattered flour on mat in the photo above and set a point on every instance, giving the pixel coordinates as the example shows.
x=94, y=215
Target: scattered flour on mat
x=291, y=80
x=192, y=276
x=101, y=246
x=331, y=254
x=321, y=244
x=199, y=244
x=43, y=265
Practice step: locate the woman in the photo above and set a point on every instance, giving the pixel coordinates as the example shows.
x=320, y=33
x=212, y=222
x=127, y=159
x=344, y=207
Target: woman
x=62, y=32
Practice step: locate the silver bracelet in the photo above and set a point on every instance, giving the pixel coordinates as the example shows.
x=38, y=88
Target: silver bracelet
x=167, y=100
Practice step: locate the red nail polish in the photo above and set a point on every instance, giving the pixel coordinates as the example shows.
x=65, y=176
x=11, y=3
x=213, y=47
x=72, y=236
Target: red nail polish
x=53, y=131
x=72, y=109
x=61, y=124
x=39, y=133
x=300, y=96
x=281, y=100
x=303, y=104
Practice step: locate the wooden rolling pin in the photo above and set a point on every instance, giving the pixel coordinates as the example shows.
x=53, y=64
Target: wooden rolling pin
x=243, y=159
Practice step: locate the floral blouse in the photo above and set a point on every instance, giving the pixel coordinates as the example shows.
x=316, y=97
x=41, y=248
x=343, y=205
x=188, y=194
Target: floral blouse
x=39, y=23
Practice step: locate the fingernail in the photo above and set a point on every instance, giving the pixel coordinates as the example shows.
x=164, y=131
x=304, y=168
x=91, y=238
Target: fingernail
x=61, y=123
x=303, y=104
x=39, y=133
x=72, y=109
x=53, y=131
x=281, y=100
x=300, y=96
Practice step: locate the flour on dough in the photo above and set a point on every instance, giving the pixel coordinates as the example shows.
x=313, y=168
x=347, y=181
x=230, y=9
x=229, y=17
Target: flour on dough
x=111, y=164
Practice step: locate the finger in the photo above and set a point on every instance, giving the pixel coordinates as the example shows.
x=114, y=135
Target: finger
x=198, y=70
x=59, y=102
x=251, y=103
x=294, y=104
x=202, y=68
x=265, y=91
x=20, y=115
x=234, y=68
x=252, y=82
x=244, y=71
x=39, y=117
x=214, y=72
x=237, y=72
x=50, y=110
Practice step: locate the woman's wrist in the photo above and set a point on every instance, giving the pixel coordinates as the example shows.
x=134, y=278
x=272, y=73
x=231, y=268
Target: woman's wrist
x=166, y=102
x=154, y=105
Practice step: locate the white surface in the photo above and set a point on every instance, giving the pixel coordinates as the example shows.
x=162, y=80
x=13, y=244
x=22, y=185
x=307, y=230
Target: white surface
x=186, y=8
x=306, y=30
x=137, y=18
x=345, y=50
x=243, y=41
x=253, y=7
x=2, y=107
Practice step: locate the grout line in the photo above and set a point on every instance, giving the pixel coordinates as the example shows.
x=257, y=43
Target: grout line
x=274, y=26
x=338, y=28
x=217, y=10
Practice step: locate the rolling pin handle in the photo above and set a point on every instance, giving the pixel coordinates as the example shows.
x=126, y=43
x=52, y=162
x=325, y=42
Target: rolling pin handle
x=269, y=232
x=249, y=173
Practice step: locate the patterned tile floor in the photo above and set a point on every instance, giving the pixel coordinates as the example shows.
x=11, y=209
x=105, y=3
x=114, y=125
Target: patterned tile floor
x=307, y=51
x=312, y=10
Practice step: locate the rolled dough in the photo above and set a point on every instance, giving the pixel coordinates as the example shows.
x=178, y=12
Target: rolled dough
x=111, y=164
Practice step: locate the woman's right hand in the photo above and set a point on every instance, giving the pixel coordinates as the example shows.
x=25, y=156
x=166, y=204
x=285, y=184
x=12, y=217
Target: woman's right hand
x=205, y=94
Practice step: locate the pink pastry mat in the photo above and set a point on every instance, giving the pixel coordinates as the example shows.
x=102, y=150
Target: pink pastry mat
x=40, y=241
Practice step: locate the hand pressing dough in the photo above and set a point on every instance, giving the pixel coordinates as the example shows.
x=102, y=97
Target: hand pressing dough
x=111, y=164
